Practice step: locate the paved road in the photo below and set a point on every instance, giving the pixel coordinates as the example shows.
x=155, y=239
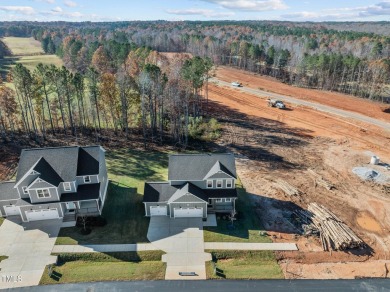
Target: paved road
x=320, y=107
x=28, y=247
x=222, y=286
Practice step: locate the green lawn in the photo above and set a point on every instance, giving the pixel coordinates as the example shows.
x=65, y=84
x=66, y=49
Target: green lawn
x=247, y=227
x=23, y=46
x=243, y=265
x=123, y=209
x=2, y=258
x=1, y=220
x=95, y=267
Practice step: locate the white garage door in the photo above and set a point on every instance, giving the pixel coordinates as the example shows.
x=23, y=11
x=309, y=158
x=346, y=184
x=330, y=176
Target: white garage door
x=188, y=212
x=11, y=210
x=158, y=210
x=44, y=214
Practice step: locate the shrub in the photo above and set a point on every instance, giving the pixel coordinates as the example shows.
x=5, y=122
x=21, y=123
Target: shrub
x=199, y=129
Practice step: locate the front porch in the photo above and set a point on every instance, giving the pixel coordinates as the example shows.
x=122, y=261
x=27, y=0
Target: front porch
x=223, y=205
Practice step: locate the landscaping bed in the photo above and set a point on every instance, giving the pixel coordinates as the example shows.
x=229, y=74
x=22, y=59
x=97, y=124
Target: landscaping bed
x=93, y=267
x=247, y=227
x=230, y=264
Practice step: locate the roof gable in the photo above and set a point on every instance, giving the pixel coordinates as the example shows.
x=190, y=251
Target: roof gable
x=187, y=198
x=39, y=184
x=47, y=173
x=188, y=189
x=218, y=171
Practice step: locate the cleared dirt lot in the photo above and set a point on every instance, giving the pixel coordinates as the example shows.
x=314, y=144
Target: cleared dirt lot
x=334, y=99
x=272, y=144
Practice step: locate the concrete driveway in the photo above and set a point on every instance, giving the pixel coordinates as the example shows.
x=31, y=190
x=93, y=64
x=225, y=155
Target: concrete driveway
x=182, y=240
x=28, y=247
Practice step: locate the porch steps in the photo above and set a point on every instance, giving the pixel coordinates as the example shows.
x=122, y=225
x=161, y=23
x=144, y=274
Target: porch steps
x=69, y=220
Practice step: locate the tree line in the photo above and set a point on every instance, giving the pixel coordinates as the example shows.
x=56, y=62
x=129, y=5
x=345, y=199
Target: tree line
x=298, y=54
x=159, y=97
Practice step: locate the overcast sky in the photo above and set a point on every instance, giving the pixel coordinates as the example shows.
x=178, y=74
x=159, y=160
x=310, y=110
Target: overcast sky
x=111, y=10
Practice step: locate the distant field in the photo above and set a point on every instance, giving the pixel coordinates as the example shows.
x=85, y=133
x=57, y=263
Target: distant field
x=28, y=52
x=23, y=46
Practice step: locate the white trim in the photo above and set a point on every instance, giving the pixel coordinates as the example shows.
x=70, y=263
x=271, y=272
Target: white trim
x=68, y=188
x=25, y=190
x=89, y=179
x=146, y=210
x=231, y=183
x=218, y=200
x=36, y=180
x=58, y=195
x=44, y=197
x=216, y=185
x=207, y=183
x=226, y=200
x=220, y=171
x=27, y=173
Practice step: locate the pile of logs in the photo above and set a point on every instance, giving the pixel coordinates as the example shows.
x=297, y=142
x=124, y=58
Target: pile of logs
x=287, y=188
x=320, y=180
x=334, y=233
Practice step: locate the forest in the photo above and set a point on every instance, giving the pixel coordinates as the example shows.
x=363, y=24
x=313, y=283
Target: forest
x=116, y=75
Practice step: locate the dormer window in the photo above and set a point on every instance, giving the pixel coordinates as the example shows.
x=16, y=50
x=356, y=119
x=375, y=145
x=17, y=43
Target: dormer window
x=67, y=186
x=25, y=191
x=87, y=179
x=219, y=184
x=229, y=183
x=209, y=184
x=43, y=193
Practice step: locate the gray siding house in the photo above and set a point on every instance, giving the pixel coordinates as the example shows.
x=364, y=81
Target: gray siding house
x=197, y=184
x=62, y=182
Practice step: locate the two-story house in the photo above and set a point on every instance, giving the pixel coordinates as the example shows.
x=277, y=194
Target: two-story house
x=198, y=184
x=62, y=182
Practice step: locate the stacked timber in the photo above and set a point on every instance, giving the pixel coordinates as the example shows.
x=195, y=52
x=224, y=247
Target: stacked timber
x=320, y=180
x=287, y=188
x=334, y=234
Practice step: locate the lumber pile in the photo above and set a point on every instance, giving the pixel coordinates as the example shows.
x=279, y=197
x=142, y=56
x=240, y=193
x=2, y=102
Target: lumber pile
x=320, y=180
x=334, y=234
x=287, y=188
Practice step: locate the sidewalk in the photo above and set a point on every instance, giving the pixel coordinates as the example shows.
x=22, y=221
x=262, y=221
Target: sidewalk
x=103, y=248
x=250, y=246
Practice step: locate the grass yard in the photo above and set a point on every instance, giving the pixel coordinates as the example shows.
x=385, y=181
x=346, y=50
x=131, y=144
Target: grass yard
x=2, y=258
x=124, y=211
x=247, y=227
x=93, y=267
x=243, y=265
x=1, y=220
x=23, y=46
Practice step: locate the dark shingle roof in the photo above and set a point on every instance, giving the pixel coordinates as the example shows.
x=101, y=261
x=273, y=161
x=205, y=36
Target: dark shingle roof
x=65, y=162
x=47, y=173
x=159, y=191
x=84, y=192
x=164, y=192
x=190, y=167
x=88, y=162
x=8, y=192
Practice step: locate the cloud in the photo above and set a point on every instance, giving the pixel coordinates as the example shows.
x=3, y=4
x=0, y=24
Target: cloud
x=201, y=12
x=250, y=5
x=25, y=10
x=57, y=9
x=47, y=1
x=379, y=9
x=70, y=3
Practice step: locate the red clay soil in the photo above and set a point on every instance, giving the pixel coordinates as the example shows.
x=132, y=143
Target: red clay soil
x=342, y=101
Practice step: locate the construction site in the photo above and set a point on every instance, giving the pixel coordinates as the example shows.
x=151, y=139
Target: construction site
x=316, y=178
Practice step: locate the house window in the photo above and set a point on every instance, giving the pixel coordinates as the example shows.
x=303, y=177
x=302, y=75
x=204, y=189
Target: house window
x=229, y=200
x=218, y=200
x=43, y=193
x=229, y=183
x=219, y=184
x=67, y=186
x=87, y=179
x=25, y=191
x=209, y=184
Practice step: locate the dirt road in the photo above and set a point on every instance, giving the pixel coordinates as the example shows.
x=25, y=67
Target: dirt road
x=314, y=105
